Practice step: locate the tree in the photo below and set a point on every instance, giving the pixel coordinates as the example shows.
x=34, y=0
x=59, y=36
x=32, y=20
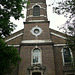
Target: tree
x=67, y=7
x=9, y=56
x=10, y=8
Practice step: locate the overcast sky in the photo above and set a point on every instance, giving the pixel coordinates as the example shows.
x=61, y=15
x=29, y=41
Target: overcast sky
x=55, y=20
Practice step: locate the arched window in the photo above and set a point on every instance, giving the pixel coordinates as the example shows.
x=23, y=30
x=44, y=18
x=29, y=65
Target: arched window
x=36, y=56
x=67, y=54
x=36, y=11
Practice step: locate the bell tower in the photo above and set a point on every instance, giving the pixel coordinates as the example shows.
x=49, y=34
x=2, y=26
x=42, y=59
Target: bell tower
x=36, y=48
x=36, y=11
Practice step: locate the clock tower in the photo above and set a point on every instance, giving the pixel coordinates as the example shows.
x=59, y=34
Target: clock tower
x=36, y=48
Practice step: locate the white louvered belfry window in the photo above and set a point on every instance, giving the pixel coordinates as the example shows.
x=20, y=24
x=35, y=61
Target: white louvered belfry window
x=36, y=11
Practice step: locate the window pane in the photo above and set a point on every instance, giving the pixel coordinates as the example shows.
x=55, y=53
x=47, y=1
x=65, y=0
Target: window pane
x=36, y=55
x=36, y=11
x=70, y=74
x=36, y=73
x=67, y=55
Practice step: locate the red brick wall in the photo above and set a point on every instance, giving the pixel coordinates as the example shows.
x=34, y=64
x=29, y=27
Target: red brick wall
x=43, y=36
x=47, y=59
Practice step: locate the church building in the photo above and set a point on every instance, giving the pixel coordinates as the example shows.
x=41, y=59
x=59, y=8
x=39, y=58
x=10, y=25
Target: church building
x=43, y=50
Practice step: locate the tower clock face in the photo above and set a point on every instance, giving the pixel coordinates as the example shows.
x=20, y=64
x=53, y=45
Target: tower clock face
x=36, y=31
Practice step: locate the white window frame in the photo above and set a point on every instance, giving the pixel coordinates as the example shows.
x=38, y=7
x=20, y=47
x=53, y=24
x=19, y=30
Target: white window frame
x=31, y=72
x=69, y=73
x=32, y=56
x=65, y=63
x=39, y=11
x=36, y=27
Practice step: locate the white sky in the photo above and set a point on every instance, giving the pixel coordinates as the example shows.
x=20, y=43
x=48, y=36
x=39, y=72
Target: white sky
x=55, y=20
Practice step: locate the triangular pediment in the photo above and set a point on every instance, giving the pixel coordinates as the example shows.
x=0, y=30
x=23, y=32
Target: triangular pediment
x=16, y=38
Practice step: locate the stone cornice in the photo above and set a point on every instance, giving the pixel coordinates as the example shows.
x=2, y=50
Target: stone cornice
x=36, y=22
x=36, y=42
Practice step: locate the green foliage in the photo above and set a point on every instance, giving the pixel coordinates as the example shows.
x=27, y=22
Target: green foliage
x=71, y=42
x=10, y=8
x=9, y=58
x=67, y=7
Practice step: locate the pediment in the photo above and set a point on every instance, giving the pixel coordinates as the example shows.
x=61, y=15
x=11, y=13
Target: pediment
x=36, y=67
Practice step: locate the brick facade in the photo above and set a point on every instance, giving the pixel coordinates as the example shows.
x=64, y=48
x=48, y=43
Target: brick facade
x=50, y=43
